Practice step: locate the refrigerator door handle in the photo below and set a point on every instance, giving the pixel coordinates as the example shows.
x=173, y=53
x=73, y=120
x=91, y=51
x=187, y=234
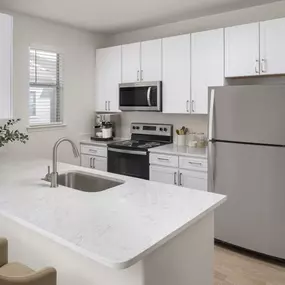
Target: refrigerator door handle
x=211, y=167
x=211, y=115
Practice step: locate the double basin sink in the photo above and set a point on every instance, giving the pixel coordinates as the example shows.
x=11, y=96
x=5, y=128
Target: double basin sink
x=87, y=182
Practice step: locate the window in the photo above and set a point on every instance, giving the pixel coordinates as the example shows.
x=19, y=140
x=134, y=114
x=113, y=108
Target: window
x=45, y=88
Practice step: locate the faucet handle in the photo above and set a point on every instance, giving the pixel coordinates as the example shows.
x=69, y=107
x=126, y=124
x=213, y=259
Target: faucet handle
x=48, y=175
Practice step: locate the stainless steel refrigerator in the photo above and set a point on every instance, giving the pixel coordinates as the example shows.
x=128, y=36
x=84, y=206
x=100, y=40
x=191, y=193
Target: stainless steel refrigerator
x=246, y=157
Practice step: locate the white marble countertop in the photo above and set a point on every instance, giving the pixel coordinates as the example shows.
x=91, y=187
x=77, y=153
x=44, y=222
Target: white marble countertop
x=116, y=227
x=181, y=150
x=100, y=143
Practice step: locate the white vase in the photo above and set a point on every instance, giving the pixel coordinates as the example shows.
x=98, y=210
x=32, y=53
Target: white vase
x=181, y=140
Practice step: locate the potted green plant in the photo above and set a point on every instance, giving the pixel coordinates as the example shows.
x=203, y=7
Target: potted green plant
x=7, y=135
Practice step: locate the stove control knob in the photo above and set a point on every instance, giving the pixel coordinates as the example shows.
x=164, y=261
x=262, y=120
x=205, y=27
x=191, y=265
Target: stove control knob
x=134, y=127
x=161, y=129
x=138, y=128
x=165, y=129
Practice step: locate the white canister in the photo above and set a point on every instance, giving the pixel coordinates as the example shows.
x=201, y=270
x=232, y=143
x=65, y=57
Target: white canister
x=181, y=140
x=107, y=132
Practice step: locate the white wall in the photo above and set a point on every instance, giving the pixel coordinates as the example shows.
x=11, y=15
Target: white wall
x=196, y=122
x=78, y=49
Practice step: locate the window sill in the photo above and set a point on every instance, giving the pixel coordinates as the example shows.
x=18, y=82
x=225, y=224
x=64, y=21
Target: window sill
x=43, y=128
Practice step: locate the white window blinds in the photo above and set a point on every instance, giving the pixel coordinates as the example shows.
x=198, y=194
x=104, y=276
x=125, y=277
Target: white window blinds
x=45, y=88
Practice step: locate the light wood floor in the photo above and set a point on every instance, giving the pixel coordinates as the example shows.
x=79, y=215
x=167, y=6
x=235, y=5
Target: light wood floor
x=233, y=268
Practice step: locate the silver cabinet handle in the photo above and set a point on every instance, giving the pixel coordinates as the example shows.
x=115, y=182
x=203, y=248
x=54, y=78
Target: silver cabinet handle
x=195, y=163
x=187, y=106
x=263, y=65
x=138, y=75
x=90, y=164
x=193, y=106
x=163, y=159
x=93, y=162
x=105, y=105
x=141, y=75
x=148, y=96
x=175, y=178
x=257, y=66
x=92, y=150
x=109, y=102
x=180, y=179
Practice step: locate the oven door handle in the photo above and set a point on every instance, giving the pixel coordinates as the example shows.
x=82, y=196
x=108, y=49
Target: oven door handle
x=127, y=151
x=148, y=96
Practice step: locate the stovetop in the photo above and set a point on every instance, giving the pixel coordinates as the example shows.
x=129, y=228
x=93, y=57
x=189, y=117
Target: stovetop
x=145, y=136
x=136, y=144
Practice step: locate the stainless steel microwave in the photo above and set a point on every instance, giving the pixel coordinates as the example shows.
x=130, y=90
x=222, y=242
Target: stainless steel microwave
x=141, y=96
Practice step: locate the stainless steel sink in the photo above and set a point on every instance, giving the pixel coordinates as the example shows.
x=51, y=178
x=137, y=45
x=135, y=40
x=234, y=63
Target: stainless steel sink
x=87, y=182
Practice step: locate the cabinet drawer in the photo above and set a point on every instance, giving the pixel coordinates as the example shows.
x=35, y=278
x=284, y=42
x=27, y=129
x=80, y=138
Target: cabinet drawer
x=192, y=163
x=164, y=159
x=93, y=150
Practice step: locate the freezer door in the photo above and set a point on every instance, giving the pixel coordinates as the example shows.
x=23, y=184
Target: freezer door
x=254, y=114
x=253, y=178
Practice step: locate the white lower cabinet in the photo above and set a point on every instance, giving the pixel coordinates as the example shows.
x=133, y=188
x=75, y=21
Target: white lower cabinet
x=100, y=163
x=95, y=162
x=164, y=174
x=190, y=178
x=193, y=179
x=93, y=156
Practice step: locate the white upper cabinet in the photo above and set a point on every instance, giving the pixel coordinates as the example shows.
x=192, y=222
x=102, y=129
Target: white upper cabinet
x=131, y=62
x=242, y=50
x=108, y=77
x=207, y=62
x=176, y=74
x=151, y=60
x=272, y=47
x=6, y=52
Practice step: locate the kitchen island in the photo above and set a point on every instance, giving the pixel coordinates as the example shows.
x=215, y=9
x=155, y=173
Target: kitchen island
x=137, y=233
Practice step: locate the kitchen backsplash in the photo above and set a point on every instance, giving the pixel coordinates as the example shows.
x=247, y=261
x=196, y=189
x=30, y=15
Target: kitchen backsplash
x=196, y=123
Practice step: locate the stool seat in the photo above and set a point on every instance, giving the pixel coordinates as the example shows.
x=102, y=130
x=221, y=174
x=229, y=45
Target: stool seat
x=15, y=273
x=15, y=269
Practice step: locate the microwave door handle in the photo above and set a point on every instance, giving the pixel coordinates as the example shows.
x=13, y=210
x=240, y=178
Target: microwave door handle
x=148, y=96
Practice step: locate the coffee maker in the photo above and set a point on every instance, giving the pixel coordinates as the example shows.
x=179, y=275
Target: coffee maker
x=106, y=126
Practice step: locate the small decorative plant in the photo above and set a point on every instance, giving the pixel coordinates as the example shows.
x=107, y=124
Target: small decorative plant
x=7, y=135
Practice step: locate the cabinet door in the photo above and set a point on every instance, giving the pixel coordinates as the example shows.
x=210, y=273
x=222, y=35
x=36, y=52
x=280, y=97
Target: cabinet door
x=86, y=160
x=108, y=77
x=151, y=60
x=176, y=74
x=6, y=49
x=193, y=179
x=100, y=163
x=242, y=50
x=272, y=46
x=131, y=62
x=207, y=61
x=163, y=174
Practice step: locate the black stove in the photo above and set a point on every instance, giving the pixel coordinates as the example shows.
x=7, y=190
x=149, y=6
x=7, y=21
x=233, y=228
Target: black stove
x=131, y=157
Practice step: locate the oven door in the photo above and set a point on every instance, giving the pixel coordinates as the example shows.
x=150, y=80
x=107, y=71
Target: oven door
x=143, y=96
x=128, y=162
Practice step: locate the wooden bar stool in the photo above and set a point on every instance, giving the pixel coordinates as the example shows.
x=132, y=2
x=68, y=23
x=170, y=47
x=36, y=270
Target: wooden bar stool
x=19, y=274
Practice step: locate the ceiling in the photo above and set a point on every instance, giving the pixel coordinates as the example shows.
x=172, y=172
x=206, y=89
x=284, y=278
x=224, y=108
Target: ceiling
x=114, y=16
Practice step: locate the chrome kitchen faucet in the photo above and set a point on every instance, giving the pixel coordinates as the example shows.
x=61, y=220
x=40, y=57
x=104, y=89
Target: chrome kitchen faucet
x=54, y=175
